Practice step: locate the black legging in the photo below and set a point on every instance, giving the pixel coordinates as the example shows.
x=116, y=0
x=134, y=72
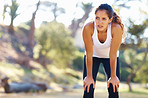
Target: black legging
x=95, y=68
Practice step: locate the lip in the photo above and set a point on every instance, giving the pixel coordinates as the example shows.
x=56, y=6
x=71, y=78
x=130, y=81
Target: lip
x=100, y=26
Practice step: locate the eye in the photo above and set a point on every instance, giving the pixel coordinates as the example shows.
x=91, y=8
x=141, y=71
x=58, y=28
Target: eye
x=104, y=18
x=97, y=17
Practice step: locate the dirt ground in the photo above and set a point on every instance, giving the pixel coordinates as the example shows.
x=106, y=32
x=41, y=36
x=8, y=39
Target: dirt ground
x=70, y=94
x=100, y=92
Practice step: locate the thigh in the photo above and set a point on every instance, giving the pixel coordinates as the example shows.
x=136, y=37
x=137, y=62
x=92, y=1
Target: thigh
x=106, y=64
x=95, y=67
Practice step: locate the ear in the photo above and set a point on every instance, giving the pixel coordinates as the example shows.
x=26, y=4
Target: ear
x=110, y=20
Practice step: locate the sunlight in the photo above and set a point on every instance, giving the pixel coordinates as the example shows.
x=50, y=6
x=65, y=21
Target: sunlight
x=146, y=33
x=28, y=6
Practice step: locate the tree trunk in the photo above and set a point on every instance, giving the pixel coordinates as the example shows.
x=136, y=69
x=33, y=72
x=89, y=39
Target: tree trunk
x=129, y=86
x=11, y=28
x=133, y=73
x=32, y=27
x=75, y=23
x=129, y=80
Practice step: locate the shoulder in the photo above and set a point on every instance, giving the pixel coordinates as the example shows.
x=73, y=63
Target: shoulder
x=89, y=27
x=116, y=29
x=115, y=26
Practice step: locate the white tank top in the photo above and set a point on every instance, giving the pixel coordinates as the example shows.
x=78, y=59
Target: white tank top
x=101, y=50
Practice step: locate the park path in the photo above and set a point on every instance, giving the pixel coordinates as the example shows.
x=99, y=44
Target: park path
x=100, y=92
x=72, y=94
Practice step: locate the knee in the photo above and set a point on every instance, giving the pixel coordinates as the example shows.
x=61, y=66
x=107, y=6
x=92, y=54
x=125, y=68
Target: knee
x=89, y=94
x=112, y=94
x=110, y=89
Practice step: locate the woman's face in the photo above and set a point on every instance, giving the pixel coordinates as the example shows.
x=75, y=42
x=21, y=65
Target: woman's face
x=102, y=20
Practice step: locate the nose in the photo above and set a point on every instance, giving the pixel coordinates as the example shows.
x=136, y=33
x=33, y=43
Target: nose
x=99, y=21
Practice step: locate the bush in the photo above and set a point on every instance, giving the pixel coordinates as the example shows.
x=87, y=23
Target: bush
x=124, y=74
x=78, y=61
x=54, y=43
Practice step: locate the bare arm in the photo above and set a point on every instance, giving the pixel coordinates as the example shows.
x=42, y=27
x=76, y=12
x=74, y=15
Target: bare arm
x=115, y=44
x=87, y=38
x=88, y=47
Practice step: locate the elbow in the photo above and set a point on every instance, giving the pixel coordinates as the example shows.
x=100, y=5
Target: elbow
x=113, y=56
x=89, y=55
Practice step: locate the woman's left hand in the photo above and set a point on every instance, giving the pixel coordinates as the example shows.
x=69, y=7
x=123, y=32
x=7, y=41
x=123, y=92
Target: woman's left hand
x=115, y=82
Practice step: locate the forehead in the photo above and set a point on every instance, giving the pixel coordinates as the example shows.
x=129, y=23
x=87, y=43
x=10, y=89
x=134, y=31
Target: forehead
x=101, y=13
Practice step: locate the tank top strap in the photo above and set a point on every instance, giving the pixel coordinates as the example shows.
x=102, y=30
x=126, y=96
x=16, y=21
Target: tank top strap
x=94, y=34
x=109, y=30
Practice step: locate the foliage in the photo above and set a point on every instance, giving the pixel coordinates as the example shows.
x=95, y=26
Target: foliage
x=78, y=60
x=137, y=30
x=124, y=73
x=135, y=52
x=55, y=43
x=130, y=60
x=142, y=74
x=13, y=10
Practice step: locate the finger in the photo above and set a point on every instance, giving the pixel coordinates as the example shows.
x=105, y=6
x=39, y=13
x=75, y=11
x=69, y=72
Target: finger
x=88, y=88
x=93, y=85
x=85, y=87
x=113, y=88
x=117, y=87
x=108, y=84
x=84, y=84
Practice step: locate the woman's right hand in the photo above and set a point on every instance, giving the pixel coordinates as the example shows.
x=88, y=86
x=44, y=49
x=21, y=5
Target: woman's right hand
x=87, y=82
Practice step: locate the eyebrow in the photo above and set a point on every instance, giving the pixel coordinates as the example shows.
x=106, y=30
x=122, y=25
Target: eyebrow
x=102, y=17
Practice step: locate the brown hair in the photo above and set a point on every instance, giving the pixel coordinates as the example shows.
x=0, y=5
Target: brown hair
x=117, y=19
x=111, y=13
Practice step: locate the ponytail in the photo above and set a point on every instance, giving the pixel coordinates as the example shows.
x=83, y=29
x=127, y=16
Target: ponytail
x=117, y=19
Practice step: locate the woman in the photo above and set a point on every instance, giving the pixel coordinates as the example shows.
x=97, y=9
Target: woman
x=102, y=38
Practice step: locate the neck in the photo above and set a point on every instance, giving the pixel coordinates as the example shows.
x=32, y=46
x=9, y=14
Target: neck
x=102, y=31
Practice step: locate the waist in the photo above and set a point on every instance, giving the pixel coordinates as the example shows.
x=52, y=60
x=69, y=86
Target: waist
x=102, y=53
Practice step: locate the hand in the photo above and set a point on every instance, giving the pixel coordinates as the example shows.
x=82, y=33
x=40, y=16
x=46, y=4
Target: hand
x=87, y=82
x=115, y=82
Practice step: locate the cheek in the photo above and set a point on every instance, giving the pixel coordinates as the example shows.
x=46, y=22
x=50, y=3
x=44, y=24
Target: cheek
x=96, y=21
x=106, y=22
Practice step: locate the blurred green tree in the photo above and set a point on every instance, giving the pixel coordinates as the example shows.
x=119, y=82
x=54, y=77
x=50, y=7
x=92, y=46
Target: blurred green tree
x=78, y=61
x=142, y=74
x=54, y=45
x=13, y=14
x=136, y=49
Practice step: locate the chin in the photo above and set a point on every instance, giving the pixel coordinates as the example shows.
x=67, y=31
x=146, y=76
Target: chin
x=100, y=29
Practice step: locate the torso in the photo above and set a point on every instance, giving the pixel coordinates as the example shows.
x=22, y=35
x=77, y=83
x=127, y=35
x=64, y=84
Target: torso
x=101, y=42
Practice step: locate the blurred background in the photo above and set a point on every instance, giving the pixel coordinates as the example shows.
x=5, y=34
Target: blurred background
x=41, y=43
